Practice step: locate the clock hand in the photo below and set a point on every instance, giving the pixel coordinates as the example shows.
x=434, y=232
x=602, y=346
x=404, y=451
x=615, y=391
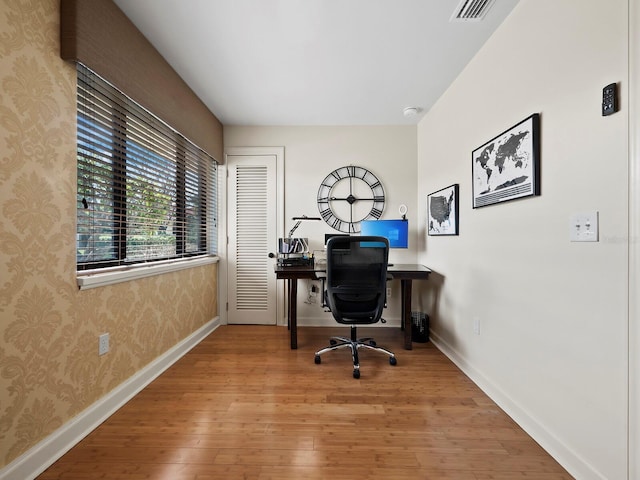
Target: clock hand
x=353, y=199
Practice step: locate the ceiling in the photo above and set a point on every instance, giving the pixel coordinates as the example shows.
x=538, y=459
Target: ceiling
x=314, y=62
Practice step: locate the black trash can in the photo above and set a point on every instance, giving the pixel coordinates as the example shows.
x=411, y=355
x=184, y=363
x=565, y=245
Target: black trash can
x=419, y=327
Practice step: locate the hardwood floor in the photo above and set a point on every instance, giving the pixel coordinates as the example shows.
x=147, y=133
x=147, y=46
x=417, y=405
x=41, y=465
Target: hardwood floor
x=242, y=405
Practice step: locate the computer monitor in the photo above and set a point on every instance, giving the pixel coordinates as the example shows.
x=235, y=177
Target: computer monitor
x=396, y=231
x=327, y=236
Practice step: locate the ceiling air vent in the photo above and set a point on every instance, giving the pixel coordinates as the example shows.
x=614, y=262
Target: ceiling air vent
x=471, y=10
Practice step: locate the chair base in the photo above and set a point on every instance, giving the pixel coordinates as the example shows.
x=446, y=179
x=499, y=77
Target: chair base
x=354, y=344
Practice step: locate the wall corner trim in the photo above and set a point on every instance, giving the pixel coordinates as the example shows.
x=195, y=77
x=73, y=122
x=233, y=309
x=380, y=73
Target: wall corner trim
x=633, y=449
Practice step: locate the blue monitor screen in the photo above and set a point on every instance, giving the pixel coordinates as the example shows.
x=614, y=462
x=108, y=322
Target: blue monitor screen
x=396, y=231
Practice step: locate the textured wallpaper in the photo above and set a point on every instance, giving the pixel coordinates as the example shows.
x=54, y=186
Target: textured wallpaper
x=49, y=364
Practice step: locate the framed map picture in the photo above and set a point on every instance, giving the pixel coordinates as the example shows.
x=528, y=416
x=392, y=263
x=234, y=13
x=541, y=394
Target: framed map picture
x=442, y=211
x=508, y=166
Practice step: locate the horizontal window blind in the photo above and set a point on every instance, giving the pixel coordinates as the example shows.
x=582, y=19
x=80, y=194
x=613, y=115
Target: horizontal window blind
x=145, y=193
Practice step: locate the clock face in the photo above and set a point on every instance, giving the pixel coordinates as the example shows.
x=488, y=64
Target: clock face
x=349, y=195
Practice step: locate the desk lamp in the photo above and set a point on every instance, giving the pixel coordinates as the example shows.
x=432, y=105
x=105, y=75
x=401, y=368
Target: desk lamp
x=295, y=251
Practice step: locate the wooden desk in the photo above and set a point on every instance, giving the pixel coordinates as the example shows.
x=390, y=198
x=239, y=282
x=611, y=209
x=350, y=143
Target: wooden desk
x=404, y=272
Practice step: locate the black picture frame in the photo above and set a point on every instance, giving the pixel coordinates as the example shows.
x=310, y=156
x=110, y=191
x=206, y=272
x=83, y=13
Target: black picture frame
x=507, y=167
x=443, y=208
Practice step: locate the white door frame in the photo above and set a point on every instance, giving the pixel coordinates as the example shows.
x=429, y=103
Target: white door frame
x=634, y=241
x=223, y=293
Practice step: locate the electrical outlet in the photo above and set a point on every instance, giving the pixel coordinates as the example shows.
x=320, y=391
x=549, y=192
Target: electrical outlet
x=103, y=344
x=388, y=292
x=476, y=326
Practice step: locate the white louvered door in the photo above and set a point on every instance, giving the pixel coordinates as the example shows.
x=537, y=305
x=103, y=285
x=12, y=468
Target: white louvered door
x=252, y=235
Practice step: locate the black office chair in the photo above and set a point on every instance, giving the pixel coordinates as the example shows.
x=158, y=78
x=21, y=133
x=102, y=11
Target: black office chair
x=356, y=287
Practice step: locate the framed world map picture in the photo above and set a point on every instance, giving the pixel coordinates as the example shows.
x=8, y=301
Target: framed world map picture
x=442, y=211
x=508, y=166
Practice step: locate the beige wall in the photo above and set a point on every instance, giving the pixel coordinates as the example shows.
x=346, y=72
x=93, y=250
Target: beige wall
x=634, y=232
x=553, y=345
x=310, y=154
x=49, y=364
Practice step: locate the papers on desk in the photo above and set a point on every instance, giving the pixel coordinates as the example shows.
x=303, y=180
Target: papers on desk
x=320, y=257
x=293, y=245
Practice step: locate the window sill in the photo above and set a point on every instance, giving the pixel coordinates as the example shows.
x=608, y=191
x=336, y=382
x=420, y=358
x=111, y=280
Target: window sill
x=110, y=276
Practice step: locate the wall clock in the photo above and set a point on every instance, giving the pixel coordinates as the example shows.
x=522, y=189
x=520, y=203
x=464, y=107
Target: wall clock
x=349, y=195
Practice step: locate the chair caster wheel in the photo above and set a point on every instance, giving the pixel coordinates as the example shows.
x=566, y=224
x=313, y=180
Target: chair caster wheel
x=356, y=373
x=373, y=343
x=317, y=359
x=332, y=342
x=392, y=360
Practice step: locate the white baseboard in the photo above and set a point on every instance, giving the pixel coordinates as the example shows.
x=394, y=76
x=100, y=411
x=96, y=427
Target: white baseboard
x=40, y=457
x=564, y=455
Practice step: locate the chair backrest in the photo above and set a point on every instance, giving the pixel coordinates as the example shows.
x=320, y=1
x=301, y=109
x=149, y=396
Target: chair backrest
x=356, y=278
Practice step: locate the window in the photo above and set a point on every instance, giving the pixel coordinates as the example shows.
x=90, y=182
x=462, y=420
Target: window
x=145, y=193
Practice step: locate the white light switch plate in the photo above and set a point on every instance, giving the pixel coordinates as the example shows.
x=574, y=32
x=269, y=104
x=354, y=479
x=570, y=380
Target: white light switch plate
x=583, y=227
